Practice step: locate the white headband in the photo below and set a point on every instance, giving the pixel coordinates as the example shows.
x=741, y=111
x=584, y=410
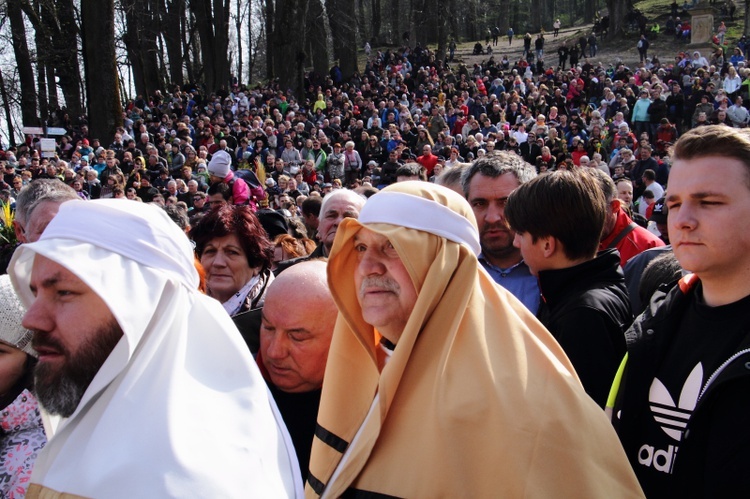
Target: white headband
x=414, y=212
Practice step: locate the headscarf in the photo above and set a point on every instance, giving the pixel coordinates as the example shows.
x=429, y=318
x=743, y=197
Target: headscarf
x=179, y=408
x=477, y=398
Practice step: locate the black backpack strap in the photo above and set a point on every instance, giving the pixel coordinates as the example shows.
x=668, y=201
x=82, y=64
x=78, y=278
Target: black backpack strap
x=627, y=230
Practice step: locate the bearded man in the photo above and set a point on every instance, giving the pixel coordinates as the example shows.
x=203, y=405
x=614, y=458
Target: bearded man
x=160, y=395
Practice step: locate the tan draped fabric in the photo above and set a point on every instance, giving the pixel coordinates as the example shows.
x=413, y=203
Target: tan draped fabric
x=39, y=492
x=477, y=400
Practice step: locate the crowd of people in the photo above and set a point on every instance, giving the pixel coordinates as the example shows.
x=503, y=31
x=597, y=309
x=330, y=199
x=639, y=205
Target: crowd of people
x=466, y=256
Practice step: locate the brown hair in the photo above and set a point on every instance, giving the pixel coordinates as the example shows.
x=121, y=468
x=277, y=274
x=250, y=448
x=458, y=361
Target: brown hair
x=567, y=205
x=240, y=221
x=714, y=140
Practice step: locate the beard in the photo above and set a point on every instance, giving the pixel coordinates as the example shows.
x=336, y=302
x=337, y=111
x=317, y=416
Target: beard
x=60, y=388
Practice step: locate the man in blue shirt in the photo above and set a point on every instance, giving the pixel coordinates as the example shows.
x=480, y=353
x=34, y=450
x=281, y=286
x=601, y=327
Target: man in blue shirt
x=487, y=183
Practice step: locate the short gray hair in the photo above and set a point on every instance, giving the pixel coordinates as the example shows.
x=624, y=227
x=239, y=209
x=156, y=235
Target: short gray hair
x=347, y=194
x=495, y=164
x=41, y=191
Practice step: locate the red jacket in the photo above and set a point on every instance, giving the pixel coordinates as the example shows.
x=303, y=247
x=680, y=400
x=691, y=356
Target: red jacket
x=428, y=161
x=637, y=241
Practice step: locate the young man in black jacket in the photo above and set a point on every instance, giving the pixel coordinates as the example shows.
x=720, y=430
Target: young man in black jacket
x=680, y=402
x=558, y=219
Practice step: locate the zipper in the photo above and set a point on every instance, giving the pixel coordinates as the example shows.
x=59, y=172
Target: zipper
x=718, y=371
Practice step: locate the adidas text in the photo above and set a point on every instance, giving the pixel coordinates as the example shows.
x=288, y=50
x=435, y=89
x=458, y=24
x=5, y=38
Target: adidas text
x=660, y=460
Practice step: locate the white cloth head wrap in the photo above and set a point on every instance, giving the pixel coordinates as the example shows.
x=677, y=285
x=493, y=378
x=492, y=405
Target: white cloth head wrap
x=407, y=210
x=179, y=408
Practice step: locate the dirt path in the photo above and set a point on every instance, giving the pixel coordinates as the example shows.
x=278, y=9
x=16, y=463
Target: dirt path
x=664, y=46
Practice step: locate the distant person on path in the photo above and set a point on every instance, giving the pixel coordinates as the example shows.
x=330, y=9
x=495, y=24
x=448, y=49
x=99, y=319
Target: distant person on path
x=642, y=47
x=556, y=27
x=510, y=36
x=539, y=46
x=526, y=44
x=592, y=45
x=574, y=52
x=562, y=54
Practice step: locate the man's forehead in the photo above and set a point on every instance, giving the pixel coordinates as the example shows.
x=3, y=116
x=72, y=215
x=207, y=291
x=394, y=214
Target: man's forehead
x=47, y=273
x=340, y=205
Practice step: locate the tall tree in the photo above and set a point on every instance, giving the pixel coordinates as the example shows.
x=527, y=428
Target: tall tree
x=8, y=112
x=343, y=24
x=317, y=36
x=377, y=21
x=442, y=29
x=617, y=10
x=42, y=69
x=395, y=15
x=23, y=62
x=172, y=21
x=288, y=44
x=56, y=20
x=141, y=18
x=270, y=18
x=102, y=82
x=212, y=22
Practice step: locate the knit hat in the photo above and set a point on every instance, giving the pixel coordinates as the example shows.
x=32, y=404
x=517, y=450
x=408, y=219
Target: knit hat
x=11, y=314
x=219, y=164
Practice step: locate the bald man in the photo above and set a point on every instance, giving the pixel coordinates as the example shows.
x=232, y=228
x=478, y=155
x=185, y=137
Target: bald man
x=297, y=324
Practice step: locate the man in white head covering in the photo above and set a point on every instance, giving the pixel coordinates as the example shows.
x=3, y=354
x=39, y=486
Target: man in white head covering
x=161, y=397
x=467, y=395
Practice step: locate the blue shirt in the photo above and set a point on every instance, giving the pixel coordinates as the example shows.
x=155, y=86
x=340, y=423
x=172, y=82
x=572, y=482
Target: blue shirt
x=518, y=280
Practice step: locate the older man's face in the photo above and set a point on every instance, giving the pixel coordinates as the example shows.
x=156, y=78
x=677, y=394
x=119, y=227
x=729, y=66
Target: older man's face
x=293, y=347
x=385, y=290
x=74, y=333
x=336, y=210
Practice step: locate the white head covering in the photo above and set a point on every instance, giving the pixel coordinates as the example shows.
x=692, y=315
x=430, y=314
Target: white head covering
x=179, y=408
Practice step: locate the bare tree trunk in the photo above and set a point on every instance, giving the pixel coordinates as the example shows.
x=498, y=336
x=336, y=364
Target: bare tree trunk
x=589, y=9
x=363, y=26
x=442, y=31
x=238, y=26
x=747, y=18
x=395, y=14
x=344, y=31
x=288, y=45
x=173, y=21
x=377, y=21
x=618, y=9
x=419, y=21
x=317, y=37
x=54, y=102
x=140, y=41
x=186, y=38
x=43, y=69
x=102, y=82
x=8, y=116
x=270, y=18
x=212, y=21
x=23, y=62
x=57, y=22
